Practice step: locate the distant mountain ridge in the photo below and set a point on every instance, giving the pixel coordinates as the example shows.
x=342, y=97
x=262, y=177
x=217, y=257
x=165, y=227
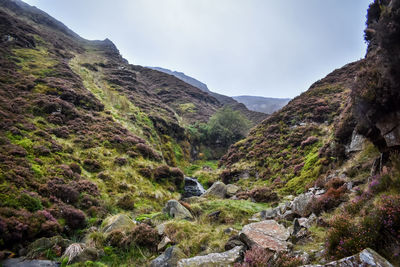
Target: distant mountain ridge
x=254, y=116
x=184, y=77
x=259, y=104
x=266, y=105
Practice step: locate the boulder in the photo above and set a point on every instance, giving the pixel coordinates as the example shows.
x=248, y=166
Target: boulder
x=218, y=190
x=22, y=262
x=267, y=234
x=117, y=222
x=192, y=188
x=356, y=144
x=224, y=259
x=231, y=190
x=367, y=257
x=288, y=215
x=300, y=204
x=177, y=210
x=169, y=258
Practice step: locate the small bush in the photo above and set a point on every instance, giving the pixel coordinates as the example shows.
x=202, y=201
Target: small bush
x=30, y=203
x=331, y=199
x=74, y=218
x=143, y=235
x=91, y=165
x=126, y=202
x=174, y=175
x=255, y=257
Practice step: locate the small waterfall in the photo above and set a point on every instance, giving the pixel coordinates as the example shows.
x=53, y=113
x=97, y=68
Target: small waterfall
x=192, y=188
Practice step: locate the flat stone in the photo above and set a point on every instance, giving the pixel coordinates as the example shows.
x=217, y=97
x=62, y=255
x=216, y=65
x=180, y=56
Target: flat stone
x=21, y=262
x=177, y=210
x=224, y=259
x=267, y=234
x=367, y=257
x=218, y=190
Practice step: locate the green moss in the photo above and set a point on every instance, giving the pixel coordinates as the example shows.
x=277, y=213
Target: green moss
x=187, y=108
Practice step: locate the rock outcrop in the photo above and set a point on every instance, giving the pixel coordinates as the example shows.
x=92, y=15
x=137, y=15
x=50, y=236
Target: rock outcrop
x=267, y=234
x=367, y=257
x=224, y=259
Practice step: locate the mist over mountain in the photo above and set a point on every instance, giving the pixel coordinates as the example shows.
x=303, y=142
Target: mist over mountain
x=266, y=105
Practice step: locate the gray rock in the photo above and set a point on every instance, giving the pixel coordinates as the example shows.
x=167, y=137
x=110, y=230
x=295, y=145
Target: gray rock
x=270, y=213
x=389, y=128
x=233, y=242
x=288, y=215
x=21, y=262
x=177, y=210
x=169, y=258
x=231, y=190
x=367, y=257
x=307, y=222
x=356, y=144
x=224, y=259
x=160, y=229
x=296, y=227
x=218, y=190
x=266, y=234
x=192, y=188
x=117, y=222
x=300, y=204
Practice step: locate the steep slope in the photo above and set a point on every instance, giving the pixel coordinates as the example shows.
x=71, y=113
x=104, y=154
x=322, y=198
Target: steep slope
x=253, y=115
x=82, y=133
x=266, y=105
x=293, y=146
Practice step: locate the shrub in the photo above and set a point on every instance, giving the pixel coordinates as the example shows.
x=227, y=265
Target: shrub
x=91, y=165
x=143, y=235
x=121, y=161
x=57, y=187
x=285, y=260
x=74, y=218
x=75, y=168
x=30, y=203
x=126, y=202
x=147, y=152
x=331, y=199
x=255, y=257
x=263, y=194
x=174, y=175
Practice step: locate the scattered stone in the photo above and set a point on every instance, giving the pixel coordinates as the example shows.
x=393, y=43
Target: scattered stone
x=192, y=188
x=218, y=189
x=270, y=213
x=169, y=258
x=233, y=242
x=160, y=229
x=42, y=245
x=164, y=243
x=266, y=234
x=231, y=190
x=177, y=210
x=296, y=227
x=283, y=207
x=22, y=262
x=288, y=215
x=307, y=222
x=300, y=204
x=118, y=222
x=224, y=259
x=367, y=257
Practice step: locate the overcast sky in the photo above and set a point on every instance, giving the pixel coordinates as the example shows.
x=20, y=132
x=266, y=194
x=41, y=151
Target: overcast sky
x=273, y=48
